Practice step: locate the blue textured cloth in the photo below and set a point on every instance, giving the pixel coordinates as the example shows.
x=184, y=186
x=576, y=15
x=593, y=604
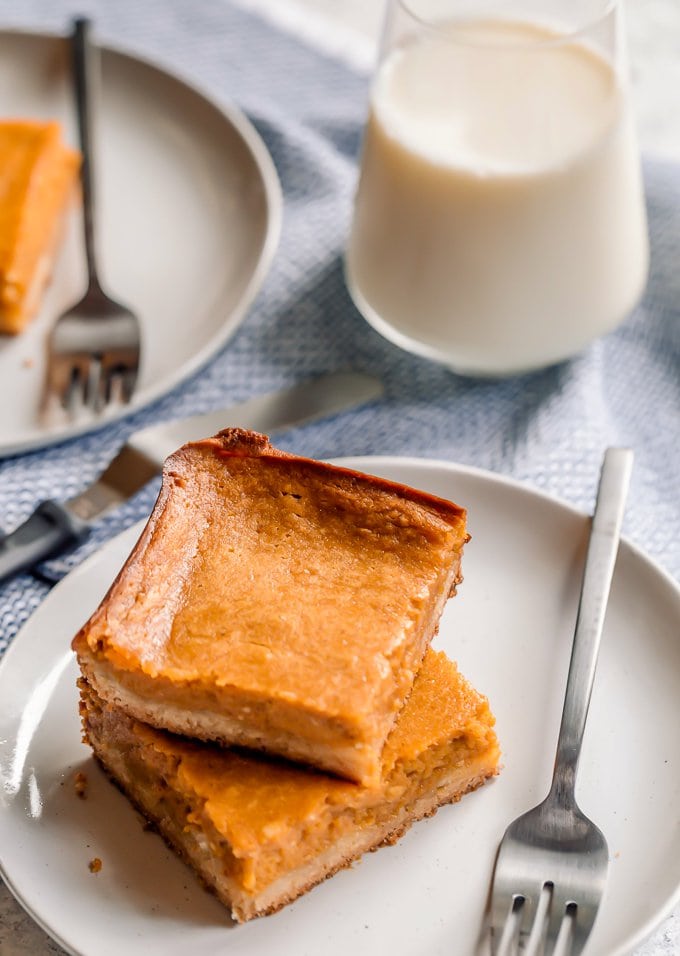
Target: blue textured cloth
x=548, y=429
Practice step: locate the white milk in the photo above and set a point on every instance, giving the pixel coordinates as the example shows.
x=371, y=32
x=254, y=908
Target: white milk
x=499, y=222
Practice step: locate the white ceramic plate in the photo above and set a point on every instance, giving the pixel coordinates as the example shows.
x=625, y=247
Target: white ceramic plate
x=510, y=629
x=189, y=212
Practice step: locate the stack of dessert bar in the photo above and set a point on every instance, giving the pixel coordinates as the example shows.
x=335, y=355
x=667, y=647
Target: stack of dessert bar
x=258, y=680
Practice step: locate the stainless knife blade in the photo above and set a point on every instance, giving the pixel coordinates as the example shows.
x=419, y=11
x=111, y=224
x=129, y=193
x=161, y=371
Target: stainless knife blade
x=55, y=526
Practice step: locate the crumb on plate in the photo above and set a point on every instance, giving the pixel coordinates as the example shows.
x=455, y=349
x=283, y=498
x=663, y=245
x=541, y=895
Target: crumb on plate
x=80, y=784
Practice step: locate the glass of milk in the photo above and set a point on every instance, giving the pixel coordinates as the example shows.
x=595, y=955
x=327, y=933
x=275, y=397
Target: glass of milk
x=499, y=222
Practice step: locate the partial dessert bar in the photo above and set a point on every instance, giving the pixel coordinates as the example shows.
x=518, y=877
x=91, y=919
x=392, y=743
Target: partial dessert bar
x=38, y=173
x=276, y=602
x=261, y=832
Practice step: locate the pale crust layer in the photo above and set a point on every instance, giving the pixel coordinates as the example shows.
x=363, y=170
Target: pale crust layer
x=291, y=600
x=260, y=833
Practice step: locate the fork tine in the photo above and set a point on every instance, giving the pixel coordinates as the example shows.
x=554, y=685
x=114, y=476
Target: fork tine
x=114, y=387
x=119, y=383
x=557, y=913
x=103, y=391
x=502, y=906
x=533, y=919
x=129, y=380
x=527, y=915
x=512, y=920
x=113, y=390
x=55, y=388
x=73, y=394
x=582, y=924
x=92, y=384
x=522, y=931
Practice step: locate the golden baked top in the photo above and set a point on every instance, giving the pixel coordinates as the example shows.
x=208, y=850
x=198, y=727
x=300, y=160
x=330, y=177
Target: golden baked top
x=290, y=578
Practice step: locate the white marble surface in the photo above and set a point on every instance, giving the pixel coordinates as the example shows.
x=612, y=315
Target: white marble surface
x=349, y=29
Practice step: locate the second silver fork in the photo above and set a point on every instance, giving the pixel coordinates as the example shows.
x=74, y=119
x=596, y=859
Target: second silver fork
x=94, y=348
x=552, y=863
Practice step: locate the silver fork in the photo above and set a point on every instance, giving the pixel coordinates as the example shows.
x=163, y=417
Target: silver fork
x=552, y=862
x=94, y=347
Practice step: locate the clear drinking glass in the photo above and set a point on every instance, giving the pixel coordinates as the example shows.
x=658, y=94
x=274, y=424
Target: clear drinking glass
x=499, y=222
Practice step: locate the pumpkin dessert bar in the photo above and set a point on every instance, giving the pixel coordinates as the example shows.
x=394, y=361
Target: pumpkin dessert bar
x=275, y=602
x=261, y=832
x=37, y=178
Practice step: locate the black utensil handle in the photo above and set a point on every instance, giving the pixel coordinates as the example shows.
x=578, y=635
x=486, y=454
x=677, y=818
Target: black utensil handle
x=50, y=529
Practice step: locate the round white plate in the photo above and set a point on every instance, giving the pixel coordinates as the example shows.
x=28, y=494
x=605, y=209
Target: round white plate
x=189, y=213
x=510, y=628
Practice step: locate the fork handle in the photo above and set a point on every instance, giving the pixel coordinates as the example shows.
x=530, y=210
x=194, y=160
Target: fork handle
x=597, y=577
x=49, y=529
x=83, y=53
